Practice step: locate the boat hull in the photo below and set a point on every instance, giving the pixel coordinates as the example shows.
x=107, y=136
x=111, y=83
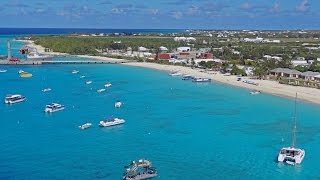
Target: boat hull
x=49, y=110
x=14, y=102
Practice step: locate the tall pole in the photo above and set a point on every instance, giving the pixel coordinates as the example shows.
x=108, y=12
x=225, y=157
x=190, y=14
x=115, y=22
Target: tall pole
x=9, y=50
x=295, y=123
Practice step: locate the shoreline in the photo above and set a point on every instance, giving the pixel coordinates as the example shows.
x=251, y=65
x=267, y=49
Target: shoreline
x=306, y=94
x=310, y=95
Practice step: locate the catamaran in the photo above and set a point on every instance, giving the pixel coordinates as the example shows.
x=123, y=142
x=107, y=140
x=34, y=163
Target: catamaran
x=12, y=99
x=139, y=170
x=292, y=155
x=111, y=122
x=53, y=107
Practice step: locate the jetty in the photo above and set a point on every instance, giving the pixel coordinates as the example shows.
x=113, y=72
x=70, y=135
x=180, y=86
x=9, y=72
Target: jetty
x=52, y=62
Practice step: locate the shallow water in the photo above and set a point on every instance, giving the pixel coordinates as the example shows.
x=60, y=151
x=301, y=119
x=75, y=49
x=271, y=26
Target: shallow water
x=188, y=130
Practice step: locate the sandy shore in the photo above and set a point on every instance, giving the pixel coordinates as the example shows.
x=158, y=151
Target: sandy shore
x=265, y=86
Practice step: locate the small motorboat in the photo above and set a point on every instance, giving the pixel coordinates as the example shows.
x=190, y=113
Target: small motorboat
x=46, y=90
x=85, y=126
x=20, y=71
x=88, y=82
x=101, y=90
x=108, y=85
x=118, y=104
x=81, y=77
x=75, y=72
x=25, y=74
x=255, y=92
x=175, y=74
x=201, y=80
x=3, y=70
x=187, y=77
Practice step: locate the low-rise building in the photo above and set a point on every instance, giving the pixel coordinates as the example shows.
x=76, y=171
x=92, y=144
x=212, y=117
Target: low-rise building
x=285, y=72
x=309, y=75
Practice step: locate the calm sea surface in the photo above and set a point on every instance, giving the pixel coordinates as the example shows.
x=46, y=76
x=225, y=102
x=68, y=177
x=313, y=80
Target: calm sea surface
x=189, y=131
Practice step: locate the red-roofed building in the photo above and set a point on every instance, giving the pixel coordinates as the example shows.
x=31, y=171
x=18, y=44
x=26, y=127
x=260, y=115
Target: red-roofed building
x=164, y=56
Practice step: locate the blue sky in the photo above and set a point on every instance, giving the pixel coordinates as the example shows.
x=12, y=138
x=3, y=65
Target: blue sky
x=167, y=14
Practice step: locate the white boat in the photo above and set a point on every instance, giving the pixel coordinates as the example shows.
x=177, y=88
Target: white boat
x=75, y=72
x=201, y=80
x=175, y=74
x=118, y=104
x=46, y=90
x=34, y=56
x=108, y=85
x=88, y=82
x=53, y=107
x=292, y=155
x=3, y=70
x=255, y=92
x=16, y=98
x=101, y=90
x=82, y=77
x=20, y=71
x=85, y=126
x=111, y=122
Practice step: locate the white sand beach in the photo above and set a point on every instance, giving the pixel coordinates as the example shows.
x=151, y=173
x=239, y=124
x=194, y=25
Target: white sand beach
x=265, y=86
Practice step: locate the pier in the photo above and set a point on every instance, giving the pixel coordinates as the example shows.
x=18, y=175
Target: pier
x=52, y=62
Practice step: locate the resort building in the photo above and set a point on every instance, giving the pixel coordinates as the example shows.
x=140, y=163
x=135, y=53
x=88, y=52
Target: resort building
x=309, y=75
x=285, y=72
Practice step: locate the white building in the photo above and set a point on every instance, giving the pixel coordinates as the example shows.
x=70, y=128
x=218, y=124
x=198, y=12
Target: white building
x=183, y=49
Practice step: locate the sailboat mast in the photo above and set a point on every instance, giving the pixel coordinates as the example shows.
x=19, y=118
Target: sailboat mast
x=295, y=123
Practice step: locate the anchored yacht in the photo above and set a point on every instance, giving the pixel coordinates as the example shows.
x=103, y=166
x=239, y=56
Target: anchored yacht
x=139, y=170
x=201, y=80
x=46, y=90
x=101, y=90
x=16, y=98
x=85, y=126
x=292, y=155
x=75, y=72
x=108, y=85
x=118, y=104
x=53, y=107
x=111, y=122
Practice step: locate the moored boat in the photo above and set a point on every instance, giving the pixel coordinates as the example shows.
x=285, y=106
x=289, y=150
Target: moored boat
x=46, y=90
x=187, y=77
x=201, y=80
x=111, y=122
x=3, y=70
x=24, y=74
x=117, y=104
x=85, y=126
x=82, y=77
x=108, y=85
x=53, y=107
x=101, y=90
x=139, y=170
x=75, y=72
x=292, y=155
x=255, y=92
x=12, y=99
x=88, y=82
x=175, y=73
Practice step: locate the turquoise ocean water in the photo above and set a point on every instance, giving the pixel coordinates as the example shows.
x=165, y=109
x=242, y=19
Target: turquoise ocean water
x=189, y=131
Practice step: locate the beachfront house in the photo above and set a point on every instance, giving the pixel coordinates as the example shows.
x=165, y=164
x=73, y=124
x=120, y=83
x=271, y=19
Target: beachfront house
x=309, y=75
x=285, y=72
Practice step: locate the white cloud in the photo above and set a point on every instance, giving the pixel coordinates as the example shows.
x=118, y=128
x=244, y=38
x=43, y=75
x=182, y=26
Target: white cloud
x=303, y=6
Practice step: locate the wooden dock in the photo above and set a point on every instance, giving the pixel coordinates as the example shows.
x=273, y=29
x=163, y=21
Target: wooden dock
x=5, y=62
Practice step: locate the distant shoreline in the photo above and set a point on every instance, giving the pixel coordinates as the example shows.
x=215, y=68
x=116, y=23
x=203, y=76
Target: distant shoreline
x=311, y=95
